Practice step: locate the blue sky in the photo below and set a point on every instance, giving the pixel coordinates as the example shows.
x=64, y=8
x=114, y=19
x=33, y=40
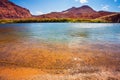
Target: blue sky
x=38, y=7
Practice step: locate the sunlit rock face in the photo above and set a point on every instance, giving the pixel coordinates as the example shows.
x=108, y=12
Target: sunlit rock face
x=115, y=18
x=10, y=10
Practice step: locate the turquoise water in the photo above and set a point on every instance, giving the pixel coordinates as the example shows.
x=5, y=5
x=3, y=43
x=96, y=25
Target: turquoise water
x=63, y=32
x=100, y=36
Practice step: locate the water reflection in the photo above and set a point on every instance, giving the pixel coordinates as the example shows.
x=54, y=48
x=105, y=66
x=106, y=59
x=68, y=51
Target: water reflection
x=13, y=34
x=61, y=33
x=93, y=25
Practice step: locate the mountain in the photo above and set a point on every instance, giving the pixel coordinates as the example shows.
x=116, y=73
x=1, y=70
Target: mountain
x=115, y=18
x=13, y=11
x=10, y=10
x=84, y=12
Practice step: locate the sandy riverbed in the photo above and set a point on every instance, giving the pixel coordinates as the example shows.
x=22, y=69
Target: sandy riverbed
x=44, y=61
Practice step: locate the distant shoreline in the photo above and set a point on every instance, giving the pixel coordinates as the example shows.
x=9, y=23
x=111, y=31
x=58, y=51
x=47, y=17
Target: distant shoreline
x=54, y=20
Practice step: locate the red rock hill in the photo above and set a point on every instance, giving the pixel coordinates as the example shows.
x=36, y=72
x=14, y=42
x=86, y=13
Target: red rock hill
x=10, y=10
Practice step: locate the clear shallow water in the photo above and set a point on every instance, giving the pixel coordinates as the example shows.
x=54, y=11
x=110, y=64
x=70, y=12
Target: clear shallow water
x=15, y=51
x=77, y=33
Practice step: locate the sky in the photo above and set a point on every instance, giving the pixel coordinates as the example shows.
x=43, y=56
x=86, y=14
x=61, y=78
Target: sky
x=38, y=7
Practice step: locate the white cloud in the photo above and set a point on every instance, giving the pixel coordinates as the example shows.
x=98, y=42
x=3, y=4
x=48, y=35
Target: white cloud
x=105, y=7
x=37, y=13
x=82, y=1
x=115, y=0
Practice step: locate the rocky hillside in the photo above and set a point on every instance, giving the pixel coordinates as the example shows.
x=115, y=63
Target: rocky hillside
x=84, y=12
x=13, y=11
x=112, y=18
x=10, y=10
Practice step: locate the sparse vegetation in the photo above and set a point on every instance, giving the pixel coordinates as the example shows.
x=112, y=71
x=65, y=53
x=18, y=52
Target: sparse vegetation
x=37, y=20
